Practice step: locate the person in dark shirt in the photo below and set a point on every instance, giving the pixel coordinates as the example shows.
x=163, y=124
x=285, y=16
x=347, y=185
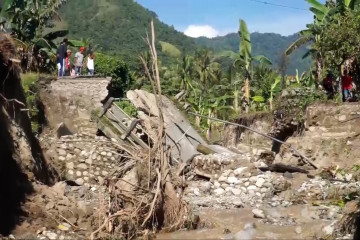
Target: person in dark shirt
x=328, y=84
x=61, y=55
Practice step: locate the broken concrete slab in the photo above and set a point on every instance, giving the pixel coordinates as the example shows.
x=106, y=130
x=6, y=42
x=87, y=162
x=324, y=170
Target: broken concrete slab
x=182, y=138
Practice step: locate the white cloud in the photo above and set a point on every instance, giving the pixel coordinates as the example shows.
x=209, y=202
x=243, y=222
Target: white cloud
x=201, y=31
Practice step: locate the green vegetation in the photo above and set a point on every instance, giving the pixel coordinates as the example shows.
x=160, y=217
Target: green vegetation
x=270, y=44
x=127, y=22
x=128, y=108
x=118, y=27
x=114, y=67
x=334, y=37
x=28, y=20
x=33, y=102
x=220, y=77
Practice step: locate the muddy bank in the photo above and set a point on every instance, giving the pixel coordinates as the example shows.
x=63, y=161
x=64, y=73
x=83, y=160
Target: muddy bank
x=22, y=160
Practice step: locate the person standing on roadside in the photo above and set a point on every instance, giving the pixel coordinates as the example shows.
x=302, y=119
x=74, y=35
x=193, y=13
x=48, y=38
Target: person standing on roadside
x=346, y=82
x=61, y=55
x=68, y=63
x=91, y=64
x=79, y=61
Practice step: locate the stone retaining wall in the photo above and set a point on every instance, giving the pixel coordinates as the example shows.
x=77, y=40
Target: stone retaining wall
x=92, y=88
x=73, y=100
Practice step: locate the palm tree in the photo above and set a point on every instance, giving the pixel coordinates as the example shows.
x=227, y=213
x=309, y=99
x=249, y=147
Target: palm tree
x=205, y=67
x=186, y=70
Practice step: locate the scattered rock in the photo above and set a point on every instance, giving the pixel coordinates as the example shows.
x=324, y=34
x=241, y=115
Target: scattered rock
x=79, y=181
x=348, y=177
x=240, y=170
x=231, y=180
x=258, y=213
x=236, y=191
x=205, y=187
x=51, y=235
x=342, y=118
x=70, y=165
x=259, y=183
x=219, y=191
x=61, y=152
x=328, y=230
x=222, y=179
x=82, y=166
x=252, y=187
x=298, y=230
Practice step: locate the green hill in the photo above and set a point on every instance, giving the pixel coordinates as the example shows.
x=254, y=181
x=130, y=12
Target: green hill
x=118, y=27
x=269, y=44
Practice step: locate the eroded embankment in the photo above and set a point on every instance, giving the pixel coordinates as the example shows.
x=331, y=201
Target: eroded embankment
x=21, y=158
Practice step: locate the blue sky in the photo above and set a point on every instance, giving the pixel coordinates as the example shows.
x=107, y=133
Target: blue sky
x=219, y=17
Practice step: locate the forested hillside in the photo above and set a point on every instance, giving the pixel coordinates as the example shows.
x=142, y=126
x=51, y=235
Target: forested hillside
x=119, y=26
x=269, y=44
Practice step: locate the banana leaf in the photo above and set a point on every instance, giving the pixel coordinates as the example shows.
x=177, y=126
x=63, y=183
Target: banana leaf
x=262, y=59
x=56, y=34
x=258, y=99
x=76, y=43
x=245, y=43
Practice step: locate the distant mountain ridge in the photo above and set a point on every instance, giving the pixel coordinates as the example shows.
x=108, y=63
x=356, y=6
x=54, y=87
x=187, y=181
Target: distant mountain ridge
x=271, y=45
x=118, y=27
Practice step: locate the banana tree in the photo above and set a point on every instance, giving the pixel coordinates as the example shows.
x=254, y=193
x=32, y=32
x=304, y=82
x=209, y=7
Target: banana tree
x=245, y=59
x=275, y=88
x=322, y=14
x=350, y=4
x=27, y=20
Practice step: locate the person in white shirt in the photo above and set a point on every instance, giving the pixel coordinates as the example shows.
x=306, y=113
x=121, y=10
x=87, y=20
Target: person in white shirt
x=91, y=64
x=79, y=59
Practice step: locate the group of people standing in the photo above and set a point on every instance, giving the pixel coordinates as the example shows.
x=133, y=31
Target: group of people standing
x=66, y=68
x=347, y=85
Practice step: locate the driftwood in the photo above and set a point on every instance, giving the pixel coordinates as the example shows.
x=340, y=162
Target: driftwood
x=282, y=168
x=303, y=157
x=204, y=149
x=130, y=128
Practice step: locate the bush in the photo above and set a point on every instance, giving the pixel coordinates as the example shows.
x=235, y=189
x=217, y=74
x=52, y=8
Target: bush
x=111, y=66
x=128, y=108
